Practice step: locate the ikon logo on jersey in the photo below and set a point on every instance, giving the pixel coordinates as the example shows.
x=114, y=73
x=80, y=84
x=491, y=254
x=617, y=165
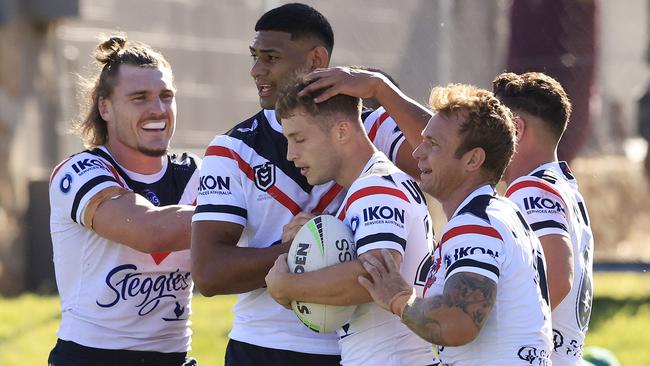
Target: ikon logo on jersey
x=210, y=183
x=542, y=204
x=84, y=165
x=462, y=252
x=264, y=175
x=383, y=215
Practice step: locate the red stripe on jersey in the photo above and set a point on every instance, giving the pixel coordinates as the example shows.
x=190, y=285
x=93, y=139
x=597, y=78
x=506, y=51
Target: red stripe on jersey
x=58, y=167
x=116, y=175
x=273, y=191
x=369, y=191
x=159, y=257
x=373, y=130
x=537, y=184
x=470, y=229
x=327, y=199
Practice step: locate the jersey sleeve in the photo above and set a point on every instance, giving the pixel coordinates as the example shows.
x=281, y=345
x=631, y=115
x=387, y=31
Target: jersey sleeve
x=472, y=247
x=221, y=194
x=74, y=184
x=378, y=217
x=541, y=204
x=384, y=133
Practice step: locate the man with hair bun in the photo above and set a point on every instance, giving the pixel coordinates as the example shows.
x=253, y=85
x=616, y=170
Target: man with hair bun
x=120, y=220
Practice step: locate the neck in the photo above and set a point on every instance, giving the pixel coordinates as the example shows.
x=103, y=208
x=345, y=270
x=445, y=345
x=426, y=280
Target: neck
x=523, y=164
x=353, y=163
x=134, y=160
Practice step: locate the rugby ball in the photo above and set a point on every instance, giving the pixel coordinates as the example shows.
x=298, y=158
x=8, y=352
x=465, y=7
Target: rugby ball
x=323, y=241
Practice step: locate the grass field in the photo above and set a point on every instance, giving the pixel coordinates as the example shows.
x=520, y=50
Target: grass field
x=620, y=322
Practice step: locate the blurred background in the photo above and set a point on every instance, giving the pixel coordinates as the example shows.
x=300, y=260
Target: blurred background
x=596, y=49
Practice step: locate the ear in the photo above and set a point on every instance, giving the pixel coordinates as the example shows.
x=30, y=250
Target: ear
x=105, y=110
x=520, y=124
x=341, y=131
x=319, y=57
x=473, y=160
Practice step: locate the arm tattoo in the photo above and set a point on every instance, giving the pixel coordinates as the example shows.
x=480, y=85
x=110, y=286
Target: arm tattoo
x=470, y=293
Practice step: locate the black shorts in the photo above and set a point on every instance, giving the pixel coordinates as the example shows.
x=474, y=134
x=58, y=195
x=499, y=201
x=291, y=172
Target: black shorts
x=244, y=354
x=67, y=353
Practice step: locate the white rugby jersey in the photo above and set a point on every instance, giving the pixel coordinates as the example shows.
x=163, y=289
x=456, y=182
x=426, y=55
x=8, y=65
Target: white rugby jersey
x=386, y=209
x=552, y=205
x=112, y=296
x=246, y=179
x=488, y=235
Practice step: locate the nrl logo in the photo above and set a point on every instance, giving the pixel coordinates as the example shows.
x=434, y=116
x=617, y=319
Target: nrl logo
x=264, y=176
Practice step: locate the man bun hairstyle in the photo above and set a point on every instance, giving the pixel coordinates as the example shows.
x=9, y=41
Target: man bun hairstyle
x=301, y=21
x=109, y=55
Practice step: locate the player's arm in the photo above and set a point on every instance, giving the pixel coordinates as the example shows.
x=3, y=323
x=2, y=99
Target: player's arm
x=411, y=117
x=333, y=285
x=220, y=267
x=453, y=318
x=132, y=220
x=558, y=254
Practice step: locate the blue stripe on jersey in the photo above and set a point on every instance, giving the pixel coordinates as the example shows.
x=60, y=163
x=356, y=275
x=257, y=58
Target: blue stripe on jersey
x=85, y=189
x=472, y=263
x=234, y=210
x=547, y=224
x=391, y=154
x=583, y=212
x=381, y=237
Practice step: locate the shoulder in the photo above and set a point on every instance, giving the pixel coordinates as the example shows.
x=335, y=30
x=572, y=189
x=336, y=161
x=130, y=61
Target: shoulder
x=81, y=164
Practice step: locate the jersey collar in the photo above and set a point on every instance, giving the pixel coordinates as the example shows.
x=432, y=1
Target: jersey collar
x=480, y=191
x=143, y=178
x=273, y=121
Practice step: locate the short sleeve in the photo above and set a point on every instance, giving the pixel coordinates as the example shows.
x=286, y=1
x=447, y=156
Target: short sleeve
x=384, y=133
x=221, y=194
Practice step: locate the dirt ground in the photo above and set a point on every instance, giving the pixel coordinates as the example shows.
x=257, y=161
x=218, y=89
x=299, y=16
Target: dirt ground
x=617, y=195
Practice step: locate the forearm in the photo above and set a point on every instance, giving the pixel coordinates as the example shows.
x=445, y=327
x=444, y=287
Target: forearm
x=225, y=269
x=437, y=323
x=131, y=220
x=410, y=116
x=334, y=285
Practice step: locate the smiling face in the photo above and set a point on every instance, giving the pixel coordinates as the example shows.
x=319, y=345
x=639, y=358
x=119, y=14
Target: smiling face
x=276, y=57
x=141, y=111
x=441, y=170
x=312, y=148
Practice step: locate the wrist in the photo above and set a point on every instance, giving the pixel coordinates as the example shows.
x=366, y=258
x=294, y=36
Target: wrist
x=399, y=302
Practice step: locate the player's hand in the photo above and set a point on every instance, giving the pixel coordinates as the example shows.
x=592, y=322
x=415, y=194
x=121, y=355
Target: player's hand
x=290, y=230
x=386, y=285
x=274, y=280
x=343, y=80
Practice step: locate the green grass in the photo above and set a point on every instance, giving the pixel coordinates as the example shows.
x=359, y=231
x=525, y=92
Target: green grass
x=620, y=322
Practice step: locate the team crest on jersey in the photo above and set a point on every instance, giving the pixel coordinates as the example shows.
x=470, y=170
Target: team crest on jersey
x=264, y=176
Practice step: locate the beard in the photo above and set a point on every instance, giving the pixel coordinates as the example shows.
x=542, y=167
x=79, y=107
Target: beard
x=155, y=153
